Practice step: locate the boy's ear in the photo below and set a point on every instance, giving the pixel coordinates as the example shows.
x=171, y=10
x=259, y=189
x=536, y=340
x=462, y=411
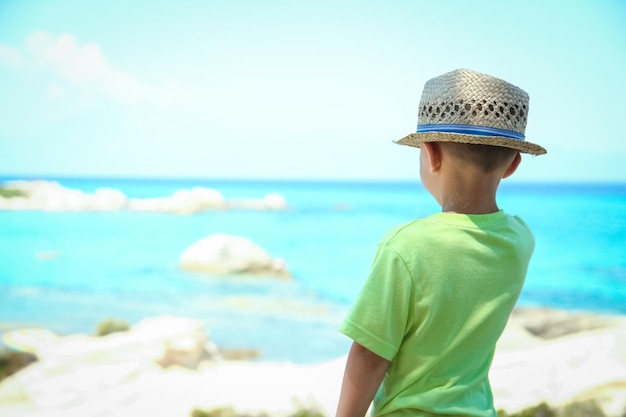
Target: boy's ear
x=433, y=153
x=513, y=165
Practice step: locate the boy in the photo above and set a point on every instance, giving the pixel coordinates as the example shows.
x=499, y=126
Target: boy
x=441, y=288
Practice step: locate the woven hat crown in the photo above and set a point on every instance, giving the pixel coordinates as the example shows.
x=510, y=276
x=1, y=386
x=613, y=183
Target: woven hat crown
x=470, y=107
x=468, y=97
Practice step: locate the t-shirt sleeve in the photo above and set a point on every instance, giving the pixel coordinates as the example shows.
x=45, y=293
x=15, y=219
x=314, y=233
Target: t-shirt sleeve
x=378, y=319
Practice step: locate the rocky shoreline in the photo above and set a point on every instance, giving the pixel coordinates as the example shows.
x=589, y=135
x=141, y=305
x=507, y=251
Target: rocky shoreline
x=546, y=362
x=43, y=195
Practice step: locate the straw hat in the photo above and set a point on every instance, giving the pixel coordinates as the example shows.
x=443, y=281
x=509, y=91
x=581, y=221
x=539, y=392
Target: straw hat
x=471, y=107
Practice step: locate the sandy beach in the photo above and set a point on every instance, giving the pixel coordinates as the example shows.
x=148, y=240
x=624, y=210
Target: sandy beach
x=169, y=366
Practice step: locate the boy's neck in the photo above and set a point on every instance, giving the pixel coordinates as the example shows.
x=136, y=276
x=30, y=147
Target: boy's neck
x=469, y=195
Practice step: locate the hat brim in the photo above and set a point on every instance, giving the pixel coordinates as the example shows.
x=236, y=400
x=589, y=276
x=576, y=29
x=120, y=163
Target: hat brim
x=416, y=139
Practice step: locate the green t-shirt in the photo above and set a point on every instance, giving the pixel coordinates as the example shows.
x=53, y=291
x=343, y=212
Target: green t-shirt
x=438, y=297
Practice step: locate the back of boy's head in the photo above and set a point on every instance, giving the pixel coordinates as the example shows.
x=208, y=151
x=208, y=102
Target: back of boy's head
x=484, y=115
x=486, y=158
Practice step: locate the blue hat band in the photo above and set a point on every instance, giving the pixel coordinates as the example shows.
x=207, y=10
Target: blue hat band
x=470, y=130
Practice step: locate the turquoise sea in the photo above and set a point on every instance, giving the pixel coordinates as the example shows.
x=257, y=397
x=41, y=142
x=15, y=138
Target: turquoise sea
x=67, y=271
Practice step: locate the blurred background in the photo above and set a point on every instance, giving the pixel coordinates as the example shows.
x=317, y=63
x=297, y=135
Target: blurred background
x=299, y=100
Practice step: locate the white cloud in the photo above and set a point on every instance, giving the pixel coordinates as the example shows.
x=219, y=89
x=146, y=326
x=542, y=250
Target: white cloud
x=10, y=56
x=83, y=66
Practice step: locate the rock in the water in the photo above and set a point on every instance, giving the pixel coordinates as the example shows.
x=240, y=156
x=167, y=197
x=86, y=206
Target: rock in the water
x=223, y=254
x=196, y=200
x=52, y=196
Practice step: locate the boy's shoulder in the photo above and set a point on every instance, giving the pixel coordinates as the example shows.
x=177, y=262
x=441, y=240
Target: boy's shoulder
x=399, y=230
x=407, y=231
x=427, y=229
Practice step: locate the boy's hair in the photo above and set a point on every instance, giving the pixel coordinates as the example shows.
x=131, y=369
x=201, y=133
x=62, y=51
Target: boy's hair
x=486, y=157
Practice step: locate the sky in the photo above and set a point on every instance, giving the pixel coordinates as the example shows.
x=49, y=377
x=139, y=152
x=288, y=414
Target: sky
x=296, y=89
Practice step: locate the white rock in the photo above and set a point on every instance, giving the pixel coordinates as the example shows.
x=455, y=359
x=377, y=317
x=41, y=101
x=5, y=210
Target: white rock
x=184, y=202
x=108, y=199
x=275, y=201
x=181, y=202
x=15, y=203
x=51, y=196
x=590, y=364
x=54, y=387
x=227, y=254
x=272, y=201
x=561, y=370
x=163, y=340
x=208, y=198
x=181, y=341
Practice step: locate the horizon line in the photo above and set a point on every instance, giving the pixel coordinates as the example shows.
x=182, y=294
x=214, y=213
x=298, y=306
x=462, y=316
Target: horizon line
x=164, y=178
